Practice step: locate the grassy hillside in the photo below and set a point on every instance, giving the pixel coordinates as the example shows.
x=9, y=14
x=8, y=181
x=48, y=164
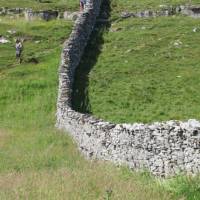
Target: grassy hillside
x=36, y=160
x=118, y=5
x=147, y=70
x=41, y=4
x=130, y=5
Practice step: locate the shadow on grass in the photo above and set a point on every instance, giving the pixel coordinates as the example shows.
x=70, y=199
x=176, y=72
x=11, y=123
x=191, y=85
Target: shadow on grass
x=80, y=99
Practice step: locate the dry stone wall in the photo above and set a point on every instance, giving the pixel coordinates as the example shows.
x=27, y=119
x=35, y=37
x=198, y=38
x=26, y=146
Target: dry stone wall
x=188, y=10
x=30, y=14
x=164, y=149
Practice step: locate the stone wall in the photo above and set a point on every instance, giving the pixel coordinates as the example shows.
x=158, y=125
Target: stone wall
x=165, y=148
x=45, y=15
x=30, y=14
x=188, y=10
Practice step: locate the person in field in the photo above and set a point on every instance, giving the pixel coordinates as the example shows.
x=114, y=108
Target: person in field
x=82, y=4
x=19, y=48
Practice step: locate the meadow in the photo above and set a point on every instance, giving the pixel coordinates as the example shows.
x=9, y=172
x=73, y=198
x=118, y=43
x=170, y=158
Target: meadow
x=36, y=160
x=41, y=4
x=147, y=70
x=117, y=5
x=130, y=5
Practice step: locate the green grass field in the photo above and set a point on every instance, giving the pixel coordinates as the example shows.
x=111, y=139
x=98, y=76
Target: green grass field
x=147, y=70
x=118, y=5
x=36, y=160
x=130, y=5
x=41, y=5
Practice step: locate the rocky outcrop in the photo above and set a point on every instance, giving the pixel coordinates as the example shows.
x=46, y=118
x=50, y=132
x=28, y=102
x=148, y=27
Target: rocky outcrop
x=11, y=11
x=193, y=11
x=45, y=15
x=164, y=149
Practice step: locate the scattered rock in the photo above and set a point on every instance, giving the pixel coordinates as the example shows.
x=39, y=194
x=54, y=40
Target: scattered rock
x=3, y=40
x=12, y=32
x=126, y=14
x=115, y=29
x=70, y=15
x=195, y=29
x=129, y=50
x=177, y=43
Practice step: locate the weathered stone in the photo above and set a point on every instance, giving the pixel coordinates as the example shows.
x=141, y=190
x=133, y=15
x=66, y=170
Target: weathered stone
x=192, y=11
x=45, y=15
x=70, y=15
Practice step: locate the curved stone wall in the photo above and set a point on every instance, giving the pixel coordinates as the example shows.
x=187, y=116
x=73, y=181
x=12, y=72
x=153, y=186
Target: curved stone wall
x=164, y=148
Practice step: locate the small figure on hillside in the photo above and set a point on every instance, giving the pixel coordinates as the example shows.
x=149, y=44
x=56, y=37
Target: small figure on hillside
x=19, y=48
x=82, y=4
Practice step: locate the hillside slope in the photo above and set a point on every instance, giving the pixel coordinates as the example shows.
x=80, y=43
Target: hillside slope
x=130, y=5
x=146, y=70
x=40, y=5
x=36, y=160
